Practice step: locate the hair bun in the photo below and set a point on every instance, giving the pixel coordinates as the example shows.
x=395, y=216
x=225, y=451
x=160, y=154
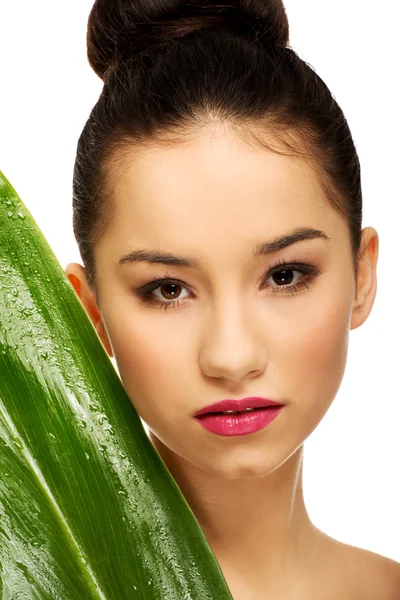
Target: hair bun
x=120, y=29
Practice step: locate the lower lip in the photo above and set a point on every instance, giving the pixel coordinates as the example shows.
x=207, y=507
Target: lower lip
x=239, y=424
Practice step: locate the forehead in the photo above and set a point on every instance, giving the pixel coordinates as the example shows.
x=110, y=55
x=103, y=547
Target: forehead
x=213, y=188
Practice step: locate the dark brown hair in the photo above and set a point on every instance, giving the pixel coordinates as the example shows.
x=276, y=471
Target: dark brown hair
x=173, y=67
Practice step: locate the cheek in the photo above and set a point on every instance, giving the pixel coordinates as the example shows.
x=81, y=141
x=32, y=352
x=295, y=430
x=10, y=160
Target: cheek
x=327, y=342
x=317, y=356
x=153, y=362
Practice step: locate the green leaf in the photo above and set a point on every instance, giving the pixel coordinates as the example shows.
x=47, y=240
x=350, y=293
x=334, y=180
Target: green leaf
x=88, y=510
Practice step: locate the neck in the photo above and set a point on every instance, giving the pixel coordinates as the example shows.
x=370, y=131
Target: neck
x=250, y=522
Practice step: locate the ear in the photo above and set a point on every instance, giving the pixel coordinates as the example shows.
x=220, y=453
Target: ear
x=366, y=282
x=77, y=276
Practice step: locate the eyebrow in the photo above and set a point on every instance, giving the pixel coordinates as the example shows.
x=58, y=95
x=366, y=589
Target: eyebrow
x=270, y=247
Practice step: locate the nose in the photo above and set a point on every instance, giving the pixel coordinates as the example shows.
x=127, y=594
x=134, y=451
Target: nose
x=233, y=346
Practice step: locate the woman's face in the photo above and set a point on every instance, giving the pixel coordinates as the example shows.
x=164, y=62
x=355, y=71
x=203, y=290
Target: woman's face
x=237, y=330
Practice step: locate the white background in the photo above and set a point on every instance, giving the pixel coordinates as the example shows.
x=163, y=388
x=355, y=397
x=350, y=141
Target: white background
x=47, y=90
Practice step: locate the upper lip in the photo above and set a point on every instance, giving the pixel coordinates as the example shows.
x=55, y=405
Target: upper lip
x=237, y=405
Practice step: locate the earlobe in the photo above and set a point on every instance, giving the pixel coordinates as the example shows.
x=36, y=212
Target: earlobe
x=101, y=332
x=77, y=276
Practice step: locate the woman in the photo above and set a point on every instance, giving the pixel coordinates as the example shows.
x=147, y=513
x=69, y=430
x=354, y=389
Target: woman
x=217, y=177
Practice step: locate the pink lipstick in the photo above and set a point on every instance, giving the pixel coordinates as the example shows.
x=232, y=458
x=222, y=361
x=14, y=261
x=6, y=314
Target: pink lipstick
x=242, y=420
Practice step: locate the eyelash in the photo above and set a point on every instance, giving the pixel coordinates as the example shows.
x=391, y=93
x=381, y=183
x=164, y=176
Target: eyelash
x=310, y=272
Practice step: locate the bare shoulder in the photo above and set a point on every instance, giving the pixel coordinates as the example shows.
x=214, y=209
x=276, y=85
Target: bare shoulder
x=382, y=573
x=362, y=573
x=376, y=575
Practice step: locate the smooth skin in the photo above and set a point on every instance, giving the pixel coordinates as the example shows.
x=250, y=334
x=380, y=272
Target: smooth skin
x=237, y=333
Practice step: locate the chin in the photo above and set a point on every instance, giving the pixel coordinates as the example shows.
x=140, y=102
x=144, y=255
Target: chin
x=245, y=469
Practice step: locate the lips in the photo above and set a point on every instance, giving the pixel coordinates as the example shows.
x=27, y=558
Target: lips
x=237, y=405
x=232, y=413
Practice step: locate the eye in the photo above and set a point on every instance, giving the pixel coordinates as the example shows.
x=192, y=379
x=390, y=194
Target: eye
x=281, y=272
x=173, y=288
